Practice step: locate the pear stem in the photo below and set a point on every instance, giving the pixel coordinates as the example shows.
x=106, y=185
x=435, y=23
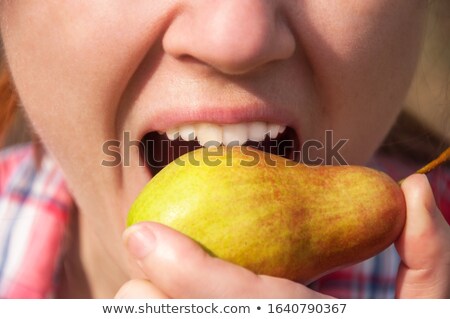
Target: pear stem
x=442, y=158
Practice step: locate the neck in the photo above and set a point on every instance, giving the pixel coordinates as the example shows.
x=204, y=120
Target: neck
x=88, y=270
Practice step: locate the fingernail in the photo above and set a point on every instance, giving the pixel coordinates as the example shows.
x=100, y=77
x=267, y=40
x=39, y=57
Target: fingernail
x=140, y=240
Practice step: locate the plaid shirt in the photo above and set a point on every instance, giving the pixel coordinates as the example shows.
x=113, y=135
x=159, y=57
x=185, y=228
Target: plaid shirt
x=34, y=212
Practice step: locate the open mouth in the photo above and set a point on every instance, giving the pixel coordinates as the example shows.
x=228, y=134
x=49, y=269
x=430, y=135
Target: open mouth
x=158, y=149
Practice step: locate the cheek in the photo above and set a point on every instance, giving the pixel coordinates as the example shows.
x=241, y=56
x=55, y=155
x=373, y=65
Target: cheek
x=71, y=61
x=62, y=60
x=370, y=45
x=363, y=55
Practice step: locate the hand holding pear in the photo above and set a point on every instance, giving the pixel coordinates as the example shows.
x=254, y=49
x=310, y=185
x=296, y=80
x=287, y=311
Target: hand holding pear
x=274, y=216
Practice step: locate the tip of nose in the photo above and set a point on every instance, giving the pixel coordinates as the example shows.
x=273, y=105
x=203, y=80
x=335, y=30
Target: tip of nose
x=231, y=41
x=239, y=54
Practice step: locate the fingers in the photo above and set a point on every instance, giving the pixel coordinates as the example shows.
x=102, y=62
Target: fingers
x=425, y=227
x=139, y=289
x=424, y=245
x=181, y=269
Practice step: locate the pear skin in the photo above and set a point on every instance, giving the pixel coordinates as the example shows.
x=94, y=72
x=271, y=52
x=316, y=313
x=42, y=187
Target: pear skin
x=274, y=216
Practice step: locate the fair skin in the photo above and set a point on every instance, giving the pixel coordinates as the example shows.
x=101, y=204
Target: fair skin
x=86, y=71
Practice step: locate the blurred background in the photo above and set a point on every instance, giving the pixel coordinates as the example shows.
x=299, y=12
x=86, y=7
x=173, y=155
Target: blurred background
x=429, y=97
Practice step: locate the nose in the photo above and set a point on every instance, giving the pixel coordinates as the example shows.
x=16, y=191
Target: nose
x=231, y=36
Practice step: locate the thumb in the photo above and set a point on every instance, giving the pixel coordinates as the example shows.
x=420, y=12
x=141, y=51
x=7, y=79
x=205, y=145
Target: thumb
x=179, y=268
x=424, y=245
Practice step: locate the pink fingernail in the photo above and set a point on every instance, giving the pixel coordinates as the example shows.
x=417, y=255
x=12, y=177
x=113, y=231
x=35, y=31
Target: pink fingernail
x=140, y=240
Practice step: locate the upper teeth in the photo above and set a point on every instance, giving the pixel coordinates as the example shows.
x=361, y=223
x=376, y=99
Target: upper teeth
x=209, y=134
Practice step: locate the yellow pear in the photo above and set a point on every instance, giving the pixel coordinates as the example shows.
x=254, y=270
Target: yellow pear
x=274, y=216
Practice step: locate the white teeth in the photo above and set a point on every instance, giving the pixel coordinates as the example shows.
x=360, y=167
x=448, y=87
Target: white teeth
x=208, y=133
x=187, y=132
x=234, y=134
x=226, y=134
x=172, y=133
x=275, y=129
x=257, y=131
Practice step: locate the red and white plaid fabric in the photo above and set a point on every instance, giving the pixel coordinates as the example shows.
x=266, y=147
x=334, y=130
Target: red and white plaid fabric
x=34, y=213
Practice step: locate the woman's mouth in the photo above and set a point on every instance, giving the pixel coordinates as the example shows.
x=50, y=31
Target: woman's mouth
x=158, y=149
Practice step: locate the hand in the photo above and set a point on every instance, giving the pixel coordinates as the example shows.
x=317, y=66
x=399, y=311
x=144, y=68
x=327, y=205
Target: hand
x=424, y=245
x=176, y=267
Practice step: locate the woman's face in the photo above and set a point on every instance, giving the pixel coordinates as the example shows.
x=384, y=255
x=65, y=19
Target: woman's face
x=88, y=71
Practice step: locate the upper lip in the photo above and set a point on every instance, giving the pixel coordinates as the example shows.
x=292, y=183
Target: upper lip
x=162, y=120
